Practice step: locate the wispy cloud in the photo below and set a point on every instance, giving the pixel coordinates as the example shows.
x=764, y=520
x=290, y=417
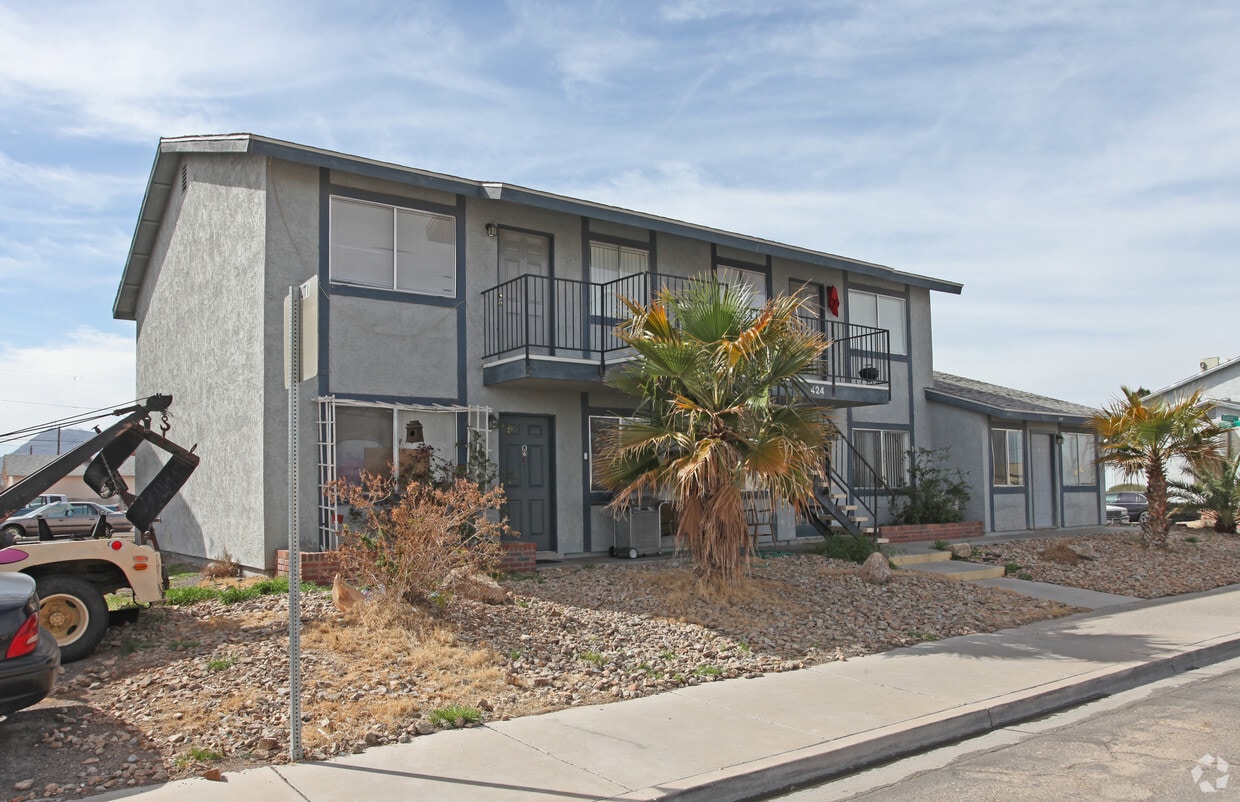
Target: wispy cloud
x=85, y=370
x=1075, y=165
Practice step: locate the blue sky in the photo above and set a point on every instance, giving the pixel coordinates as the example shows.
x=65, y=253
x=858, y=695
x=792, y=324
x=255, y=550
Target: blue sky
x=1075, y=165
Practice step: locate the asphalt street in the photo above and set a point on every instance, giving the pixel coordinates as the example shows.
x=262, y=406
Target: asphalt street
x=1161, y=741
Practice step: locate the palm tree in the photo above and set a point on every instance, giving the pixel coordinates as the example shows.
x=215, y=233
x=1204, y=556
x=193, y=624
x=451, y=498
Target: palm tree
x=1138, y=438
x=1215, y=489
x=723, y=408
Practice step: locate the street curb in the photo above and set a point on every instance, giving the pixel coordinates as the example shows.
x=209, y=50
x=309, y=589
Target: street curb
x=821, y=762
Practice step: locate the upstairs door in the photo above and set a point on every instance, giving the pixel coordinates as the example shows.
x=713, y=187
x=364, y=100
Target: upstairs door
x=525, y=257
x=525, y=462
x=813, y=314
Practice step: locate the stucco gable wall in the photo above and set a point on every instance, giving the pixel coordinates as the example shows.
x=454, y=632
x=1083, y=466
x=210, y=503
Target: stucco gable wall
x=201, y=339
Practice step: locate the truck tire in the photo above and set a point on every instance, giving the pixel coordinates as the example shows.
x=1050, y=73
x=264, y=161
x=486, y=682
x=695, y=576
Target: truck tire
x=75, y=612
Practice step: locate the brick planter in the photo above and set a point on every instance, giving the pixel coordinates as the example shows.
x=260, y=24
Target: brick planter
x=919, y=532
x=519, y=557
x=318, y=567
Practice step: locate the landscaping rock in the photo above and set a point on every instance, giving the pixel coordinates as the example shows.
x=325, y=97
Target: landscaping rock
x=1083, y=550
x=961, y=551
x=875, y=570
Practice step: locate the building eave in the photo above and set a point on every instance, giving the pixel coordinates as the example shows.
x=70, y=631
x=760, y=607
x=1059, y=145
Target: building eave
x=171, y=150
x=1005, y=413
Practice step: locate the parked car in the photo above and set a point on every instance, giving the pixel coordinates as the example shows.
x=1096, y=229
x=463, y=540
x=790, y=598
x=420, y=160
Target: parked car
x=1116, y=514
x=1135, y=503
x=29, y=654
x=64, y=519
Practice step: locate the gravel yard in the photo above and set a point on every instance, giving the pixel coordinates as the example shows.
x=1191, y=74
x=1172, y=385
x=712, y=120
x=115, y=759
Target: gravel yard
x=1196, y=559
x=185, y=690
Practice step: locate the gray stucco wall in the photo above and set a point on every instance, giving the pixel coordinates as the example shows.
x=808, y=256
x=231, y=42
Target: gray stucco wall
x=1082, y=509
x=292, y=256
x=200, y=337
x=963, y=434
x=392, y=348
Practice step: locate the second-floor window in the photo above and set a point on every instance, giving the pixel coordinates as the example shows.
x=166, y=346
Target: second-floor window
x=392, y=248
x=879, y=312
x=610, y=262
x=740, y=277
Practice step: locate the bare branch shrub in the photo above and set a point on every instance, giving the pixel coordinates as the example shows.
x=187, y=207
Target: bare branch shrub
x=403, y=541
x=224, y=568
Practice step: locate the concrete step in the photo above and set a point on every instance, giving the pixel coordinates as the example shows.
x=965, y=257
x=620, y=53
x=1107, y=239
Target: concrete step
x=903, y=560
x=957, y=569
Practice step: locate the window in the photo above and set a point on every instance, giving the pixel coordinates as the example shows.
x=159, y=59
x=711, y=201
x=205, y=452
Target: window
x=739, y=277
x=363, y=442
x=392, y=248
x=885, y=453
x=611, y=262
x=1007, y=457
x=616, y=271
x=879, y=312
x=1078, y=459
x=599, y=426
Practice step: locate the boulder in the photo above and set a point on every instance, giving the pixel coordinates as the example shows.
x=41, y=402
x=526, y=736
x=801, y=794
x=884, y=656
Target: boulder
x=961, y=551
x=875, y=570
x=1083, y=550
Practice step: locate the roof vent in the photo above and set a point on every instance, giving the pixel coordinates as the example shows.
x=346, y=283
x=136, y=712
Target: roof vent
x=184, y=177
x=1209, y=362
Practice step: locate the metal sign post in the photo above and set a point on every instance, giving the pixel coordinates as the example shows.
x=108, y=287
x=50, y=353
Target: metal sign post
x=293, y=368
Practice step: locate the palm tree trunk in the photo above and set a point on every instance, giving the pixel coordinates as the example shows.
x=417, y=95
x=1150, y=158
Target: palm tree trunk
x=1156, y=525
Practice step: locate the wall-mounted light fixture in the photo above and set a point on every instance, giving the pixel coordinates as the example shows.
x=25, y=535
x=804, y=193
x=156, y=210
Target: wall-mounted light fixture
x=1059, y=439
x=490, y=229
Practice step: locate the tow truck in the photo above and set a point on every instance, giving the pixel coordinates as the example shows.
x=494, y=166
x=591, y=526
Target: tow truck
x=73, y=575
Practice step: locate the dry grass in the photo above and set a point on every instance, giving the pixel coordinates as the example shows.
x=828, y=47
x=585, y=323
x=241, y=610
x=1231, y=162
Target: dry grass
x=223, y=568
x=380, y=639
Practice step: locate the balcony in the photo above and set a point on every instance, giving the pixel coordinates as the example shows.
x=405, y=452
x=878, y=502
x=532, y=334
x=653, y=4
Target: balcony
x=537, y=327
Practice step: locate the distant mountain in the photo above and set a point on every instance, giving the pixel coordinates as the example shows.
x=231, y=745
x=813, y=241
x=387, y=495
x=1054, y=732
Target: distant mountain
x=48, y=442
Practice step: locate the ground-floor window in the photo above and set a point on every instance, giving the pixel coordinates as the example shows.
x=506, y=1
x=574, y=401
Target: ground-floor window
x=884, y=457
x=599, y=426
x=1078, y=459
x=1007, y=457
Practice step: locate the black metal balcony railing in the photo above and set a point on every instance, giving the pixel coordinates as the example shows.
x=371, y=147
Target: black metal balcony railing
x=533, y=316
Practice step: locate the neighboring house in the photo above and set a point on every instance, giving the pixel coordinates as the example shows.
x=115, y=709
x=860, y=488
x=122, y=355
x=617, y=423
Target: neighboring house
x=1030, y=459
x=1219, y=382
x=18, y=466
x=446, y=309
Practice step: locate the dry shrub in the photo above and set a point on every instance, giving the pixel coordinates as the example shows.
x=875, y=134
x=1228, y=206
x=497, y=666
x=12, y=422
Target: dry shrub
x=223, y=568
x=403, y=541
x=1061, y=553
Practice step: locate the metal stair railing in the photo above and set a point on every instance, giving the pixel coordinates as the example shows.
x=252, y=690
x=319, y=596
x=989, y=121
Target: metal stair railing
x=859, y=504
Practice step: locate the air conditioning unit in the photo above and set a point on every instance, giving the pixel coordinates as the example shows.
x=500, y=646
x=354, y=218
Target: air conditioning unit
x=1209, y=362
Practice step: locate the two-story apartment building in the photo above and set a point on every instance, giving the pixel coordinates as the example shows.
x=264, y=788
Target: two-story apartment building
x=445, y=309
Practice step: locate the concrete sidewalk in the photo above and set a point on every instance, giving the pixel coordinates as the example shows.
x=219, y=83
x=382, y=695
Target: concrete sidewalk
x=742, y=738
